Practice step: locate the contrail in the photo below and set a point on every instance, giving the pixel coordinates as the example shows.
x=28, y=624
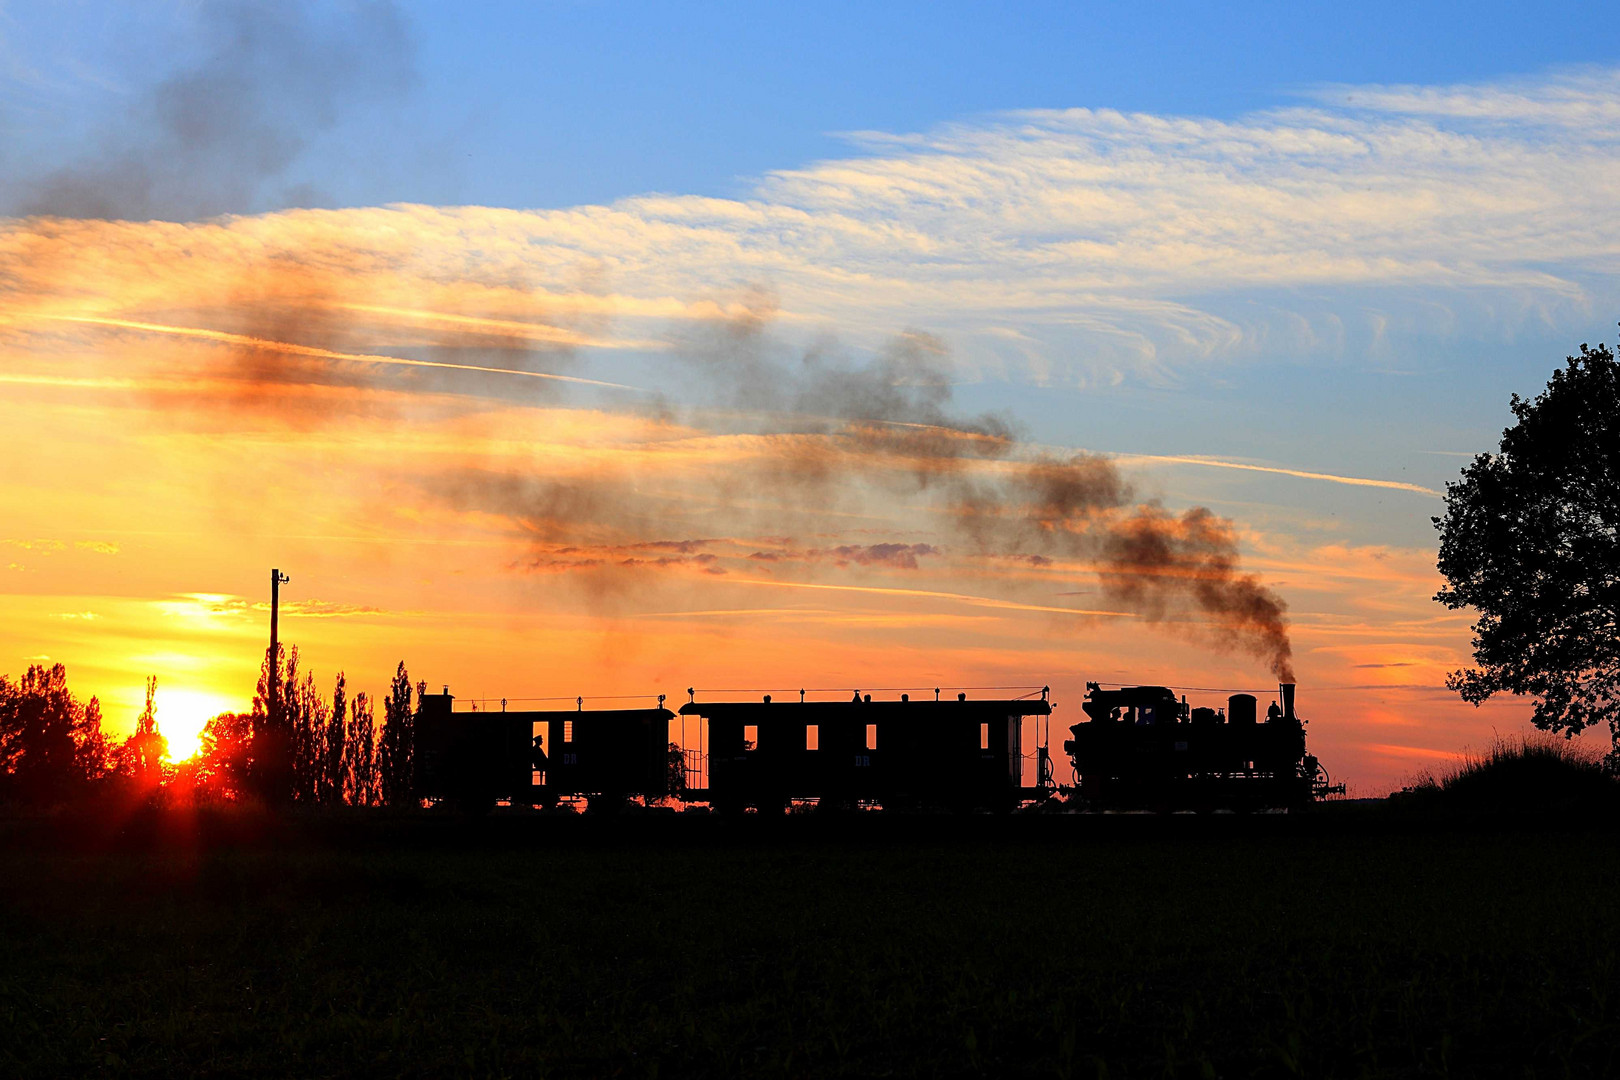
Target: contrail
x=738, y=611
x=287, y=347
x=516, y=327
x=978, y=601
x=535, y=331
x=1216, y=463
x=6, y=378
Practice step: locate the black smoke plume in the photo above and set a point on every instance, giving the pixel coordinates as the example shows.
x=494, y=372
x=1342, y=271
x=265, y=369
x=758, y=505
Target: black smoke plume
x=890, y=420
x=213, y=139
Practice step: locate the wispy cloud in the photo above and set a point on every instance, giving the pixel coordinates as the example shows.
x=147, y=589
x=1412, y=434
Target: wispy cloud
x=1049, y=244
x=1582, y=99
x=932, y=594
x=43, y=547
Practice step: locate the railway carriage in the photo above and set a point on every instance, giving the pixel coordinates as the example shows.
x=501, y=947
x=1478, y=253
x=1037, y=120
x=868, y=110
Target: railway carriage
x=952, y=754
x=1139, y=748
x=479, y=758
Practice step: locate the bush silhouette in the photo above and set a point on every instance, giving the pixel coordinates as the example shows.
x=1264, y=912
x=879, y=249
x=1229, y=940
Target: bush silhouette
x=1529, y=773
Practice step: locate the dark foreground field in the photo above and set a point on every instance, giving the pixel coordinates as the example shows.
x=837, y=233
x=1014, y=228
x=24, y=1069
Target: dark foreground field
x=1334, y=945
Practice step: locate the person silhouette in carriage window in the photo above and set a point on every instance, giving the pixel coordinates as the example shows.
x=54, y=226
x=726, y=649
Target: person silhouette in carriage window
x=537, y=755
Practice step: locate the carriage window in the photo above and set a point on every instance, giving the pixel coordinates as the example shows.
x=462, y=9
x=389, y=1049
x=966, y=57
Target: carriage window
x=984, y=736
x=568, y=731
x=750, y=736
x=812, y=737
x=871, y=736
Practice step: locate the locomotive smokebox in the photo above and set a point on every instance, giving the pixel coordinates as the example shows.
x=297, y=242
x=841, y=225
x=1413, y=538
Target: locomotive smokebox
x=1287, y=691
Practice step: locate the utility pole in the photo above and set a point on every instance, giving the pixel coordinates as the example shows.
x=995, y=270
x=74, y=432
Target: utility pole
x=277, y=580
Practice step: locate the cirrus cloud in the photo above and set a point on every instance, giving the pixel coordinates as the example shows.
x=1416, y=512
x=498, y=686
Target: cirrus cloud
x=1049, y=244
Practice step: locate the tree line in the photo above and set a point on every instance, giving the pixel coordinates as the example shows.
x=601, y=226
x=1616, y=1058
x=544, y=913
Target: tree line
x=298, y=744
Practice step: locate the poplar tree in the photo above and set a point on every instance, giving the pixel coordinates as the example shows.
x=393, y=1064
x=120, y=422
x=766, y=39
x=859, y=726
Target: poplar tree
x=359, y=747
x=398, y=742
x=309, y=740
x=332, y=774
x=270, y=756
x=292, y=725
x=141, y=756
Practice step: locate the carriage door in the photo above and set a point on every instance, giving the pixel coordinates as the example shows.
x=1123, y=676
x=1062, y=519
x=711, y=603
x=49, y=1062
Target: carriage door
x=542, y=729
x=1015, y=750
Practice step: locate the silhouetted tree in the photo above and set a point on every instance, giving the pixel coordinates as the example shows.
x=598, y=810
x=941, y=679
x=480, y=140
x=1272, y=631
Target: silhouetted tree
x=91, y=749
x=332, y=774
x=360, y=750
x=1531, y=540
x=271, y=756
x=295, y=723
x=224, y=754
x=51, y=745
x=309, y=719
x=140, y=758
x=397, y=746
x=675, y=771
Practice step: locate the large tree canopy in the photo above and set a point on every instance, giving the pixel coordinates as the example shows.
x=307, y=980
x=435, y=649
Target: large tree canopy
x=1531, y=540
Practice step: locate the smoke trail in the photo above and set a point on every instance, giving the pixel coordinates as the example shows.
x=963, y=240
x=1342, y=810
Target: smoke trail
x=819, y=430
x=820, y=426
x=212, y=139
x=890, y=419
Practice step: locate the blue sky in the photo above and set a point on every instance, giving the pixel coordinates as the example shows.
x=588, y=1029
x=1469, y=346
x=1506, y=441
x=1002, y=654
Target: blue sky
x=557, y=105
x=553, y=104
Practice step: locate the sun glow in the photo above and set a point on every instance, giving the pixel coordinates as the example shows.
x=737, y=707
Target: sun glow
x=182, y=715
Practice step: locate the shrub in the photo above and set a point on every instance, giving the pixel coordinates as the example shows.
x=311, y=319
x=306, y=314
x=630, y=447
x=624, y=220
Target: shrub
x=1533, y=772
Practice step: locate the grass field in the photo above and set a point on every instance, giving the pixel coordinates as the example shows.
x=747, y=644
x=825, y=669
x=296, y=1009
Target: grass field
x=1342, y=944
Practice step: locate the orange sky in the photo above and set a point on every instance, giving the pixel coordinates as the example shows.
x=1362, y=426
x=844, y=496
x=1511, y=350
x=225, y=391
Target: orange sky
x=517, y=536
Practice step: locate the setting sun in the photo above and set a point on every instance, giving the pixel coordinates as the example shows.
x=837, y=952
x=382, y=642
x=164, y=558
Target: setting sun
x=182, y=715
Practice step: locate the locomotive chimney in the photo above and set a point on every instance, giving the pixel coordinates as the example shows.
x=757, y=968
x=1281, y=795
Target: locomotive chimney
x=1287, y=691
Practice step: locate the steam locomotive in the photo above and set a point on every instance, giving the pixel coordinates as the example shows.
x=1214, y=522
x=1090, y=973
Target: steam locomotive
x=1140, y=748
